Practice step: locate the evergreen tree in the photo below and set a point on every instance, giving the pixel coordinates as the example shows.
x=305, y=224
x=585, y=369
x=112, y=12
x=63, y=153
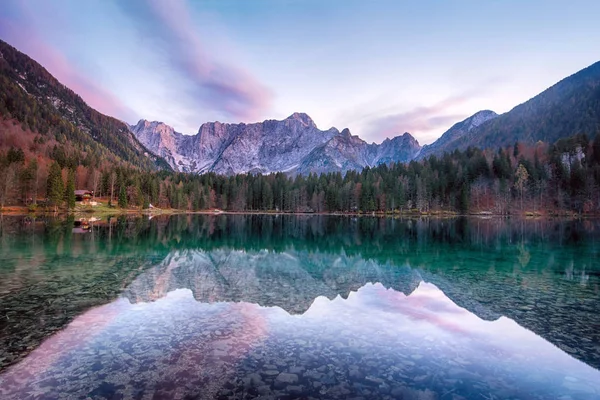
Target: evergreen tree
x=55, y=187
x=122, y=197
x=15, y=155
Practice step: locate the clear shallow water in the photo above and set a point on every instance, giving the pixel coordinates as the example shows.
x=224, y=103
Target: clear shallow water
x=300, y=307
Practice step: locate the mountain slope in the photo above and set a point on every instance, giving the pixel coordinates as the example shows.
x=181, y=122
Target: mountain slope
x=570, y=107
x=346, y=152
x=456, y=132
x=293, y=145
x=30, y=94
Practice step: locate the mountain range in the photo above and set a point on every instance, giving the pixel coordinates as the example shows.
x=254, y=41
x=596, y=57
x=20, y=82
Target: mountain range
x=295, y=145
x=570, y=107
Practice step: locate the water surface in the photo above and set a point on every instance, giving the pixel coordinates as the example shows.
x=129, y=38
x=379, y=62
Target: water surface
x=299, y=307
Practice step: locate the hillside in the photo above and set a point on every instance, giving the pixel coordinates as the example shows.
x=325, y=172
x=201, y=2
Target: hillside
x=456, y=132
x=31, y=95
x=570, y=107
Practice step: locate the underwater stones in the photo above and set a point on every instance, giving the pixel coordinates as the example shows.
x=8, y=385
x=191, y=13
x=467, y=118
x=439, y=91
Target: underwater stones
x=341, y=390
x=285, y=378
x=294, y=389
x=225, y=394
x=355, y=373
x=270, y=373
x=402, y=392
x=252, y=380
x=296, y=370
x=264, y=390
x=374, y=380
x=313, y=374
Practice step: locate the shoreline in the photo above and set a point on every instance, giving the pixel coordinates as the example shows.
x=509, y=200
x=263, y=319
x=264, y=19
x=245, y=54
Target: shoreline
x=410, y=214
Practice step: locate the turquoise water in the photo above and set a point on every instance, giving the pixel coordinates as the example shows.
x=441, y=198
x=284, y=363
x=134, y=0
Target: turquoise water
x=288, y=307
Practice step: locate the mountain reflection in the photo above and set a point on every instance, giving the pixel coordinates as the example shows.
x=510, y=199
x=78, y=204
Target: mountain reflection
x=542, y=274
x=290, y=280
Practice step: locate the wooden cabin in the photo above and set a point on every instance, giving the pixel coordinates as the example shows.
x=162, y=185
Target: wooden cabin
x=83, y=195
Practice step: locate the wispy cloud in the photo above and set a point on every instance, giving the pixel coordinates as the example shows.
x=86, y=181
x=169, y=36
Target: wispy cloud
x=17, y=27
x=419, y=119
x=214, y=85
x=380, y=117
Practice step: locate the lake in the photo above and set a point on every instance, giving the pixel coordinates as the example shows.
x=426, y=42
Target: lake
x=282, y=307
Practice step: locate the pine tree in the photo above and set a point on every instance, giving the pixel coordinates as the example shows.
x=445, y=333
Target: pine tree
x=70, y=190
x=122, y=197
x=55, y=186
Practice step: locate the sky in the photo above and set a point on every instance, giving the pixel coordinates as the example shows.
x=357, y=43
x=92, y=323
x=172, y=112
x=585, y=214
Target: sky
x=378, y=67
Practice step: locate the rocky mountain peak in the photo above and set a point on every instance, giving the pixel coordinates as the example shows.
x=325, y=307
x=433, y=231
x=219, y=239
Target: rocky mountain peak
x=303, y=118
x=407, y=137
x=345, y=132
x=153, y=128
x=457, y=132
x=144, y=123
x=479, y=118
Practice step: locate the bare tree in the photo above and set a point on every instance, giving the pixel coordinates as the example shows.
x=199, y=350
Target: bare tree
x=113, y=180
x=95, y=181
x=36, y=183
x=522, y=177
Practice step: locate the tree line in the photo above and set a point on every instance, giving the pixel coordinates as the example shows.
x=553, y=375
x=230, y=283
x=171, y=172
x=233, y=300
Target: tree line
x=564, y=176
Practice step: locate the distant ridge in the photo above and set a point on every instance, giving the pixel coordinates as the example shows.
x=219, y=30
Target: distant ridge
x=570, y=107
x=458, y=130
x=294, y=145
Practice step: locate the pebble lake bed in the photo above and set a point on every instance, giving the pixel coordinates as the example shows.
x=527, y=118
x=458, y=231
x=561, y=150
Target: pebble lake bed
x=285, y=307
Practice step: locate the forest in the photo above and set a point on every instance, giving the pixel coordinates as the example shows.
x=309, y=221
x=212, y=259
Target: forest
x=541, y=178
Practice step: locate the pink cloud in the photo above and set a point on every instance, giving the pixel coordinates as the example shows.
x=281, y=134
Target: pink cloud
x=419, y=119
x=222, y=87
